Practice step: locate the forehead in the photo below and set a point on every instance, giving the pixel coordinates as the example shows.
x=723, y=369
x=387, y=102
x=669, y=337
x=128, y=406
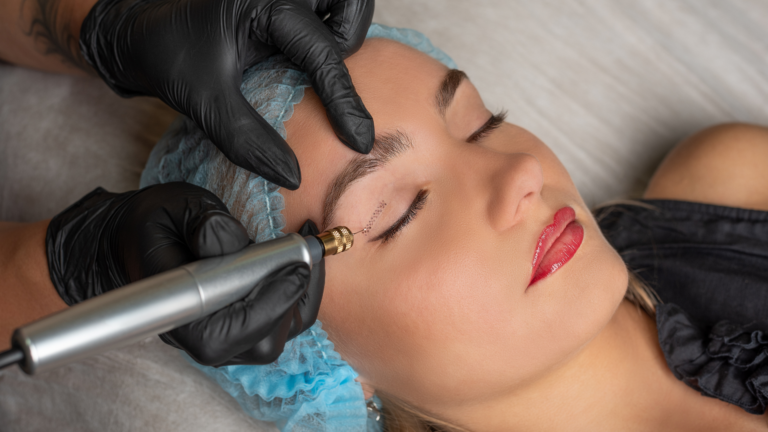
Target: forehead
x=388, y=75
x=398, y=85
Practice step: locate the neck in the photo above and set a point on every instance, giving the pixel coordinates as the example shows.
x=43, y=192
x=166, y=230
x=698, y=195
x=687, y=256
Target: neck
x=619, y=381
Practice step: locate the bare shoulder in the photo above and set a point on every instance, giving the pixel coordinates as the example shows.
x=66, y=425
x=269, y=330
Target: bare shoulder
x=725, y=165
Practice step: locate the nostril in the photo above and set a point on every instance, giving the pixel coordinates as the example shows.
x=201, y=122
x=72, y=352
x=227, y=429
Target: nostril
x=516, y=184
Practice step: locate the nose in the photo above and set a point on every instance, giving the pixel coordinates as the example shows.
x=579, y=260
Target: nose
x=516, y=184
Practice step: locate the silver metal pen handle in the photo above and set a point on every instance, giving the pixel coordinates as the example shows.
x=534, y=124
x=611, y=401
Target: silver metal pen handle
x=156, y=304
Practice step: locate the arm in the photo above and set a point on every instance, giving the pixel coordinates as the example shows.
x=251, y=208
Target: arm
x=44, y=34
x=725, y=165
x=26, y=289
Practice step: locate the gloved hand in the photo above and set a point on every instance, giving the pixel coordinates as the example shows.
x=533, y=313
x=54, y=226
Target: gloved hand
x=107, y=240
x=192, y=53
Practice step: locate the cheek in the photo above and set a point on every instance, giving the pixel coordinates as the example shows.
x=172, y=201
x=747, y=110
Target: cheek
x=430, y=330
x=402, y=319
x=417, y=323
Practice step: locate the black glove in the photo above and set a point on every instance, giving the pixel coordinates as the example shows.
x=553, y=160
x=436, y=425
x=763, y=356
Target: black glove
x=192, y=53
x=107, y=240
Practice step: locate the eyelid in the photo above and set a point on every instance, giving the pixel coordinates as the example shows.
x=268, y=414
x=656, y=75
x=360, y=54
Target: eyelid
x=416, y=205
x=493, y=122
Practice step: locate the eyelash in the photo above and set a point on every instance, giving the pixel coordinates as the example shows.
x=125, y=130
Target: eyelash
x=416, y=206
x=493, y=123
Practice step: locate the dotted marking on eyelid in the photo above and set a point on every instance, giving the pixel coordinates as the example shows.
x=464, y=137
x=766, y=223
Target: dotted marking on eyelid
x=372, y=220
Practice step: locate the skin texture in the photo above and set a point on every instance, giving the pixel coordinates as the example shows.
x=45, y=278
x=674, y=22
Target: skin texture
x=440, y=315
x=27, y=291
x=44, y=34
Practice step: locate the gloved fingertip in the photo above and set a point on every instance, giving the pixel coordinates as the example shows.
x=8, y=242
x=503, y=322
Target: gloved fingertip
x=352, y=124
x=268, y=350
x=218, y=234
x=288, y=179
x=280, y=168
x=251, y=142
x=309, y=228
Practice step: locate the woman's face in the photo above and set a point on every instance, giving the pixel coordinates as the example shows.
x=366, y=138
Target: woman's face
x=440, y=312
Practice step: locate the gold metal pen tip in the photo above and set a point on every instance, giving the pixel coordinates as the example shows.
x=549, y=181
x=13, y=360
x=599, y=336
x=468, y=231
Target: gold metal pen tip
x=336, y=240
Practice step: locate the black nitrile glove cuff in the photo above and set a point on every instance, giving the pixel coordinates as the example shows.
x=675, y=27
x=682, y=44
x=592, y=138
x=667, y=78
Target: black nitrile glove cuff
x=79, y=273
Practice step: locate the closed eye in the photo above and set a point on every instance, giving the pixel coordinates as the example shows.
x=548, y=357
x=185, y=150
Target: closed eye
x=494, y=122
x=416, y=205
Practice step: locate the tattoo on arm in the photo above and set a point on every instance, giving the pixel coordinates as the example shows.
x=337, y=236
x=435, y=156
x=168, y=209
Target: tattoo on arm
x=51, y=30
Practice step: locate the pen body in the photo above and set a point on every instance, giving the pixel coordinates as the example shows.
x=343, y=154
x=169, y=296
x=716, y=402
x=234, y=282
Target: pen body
x=156, y=304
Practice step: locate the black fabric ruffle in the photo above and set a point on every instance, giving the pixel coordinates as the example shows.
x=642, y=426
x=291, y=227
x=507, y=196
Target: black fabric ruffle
x=731, y=363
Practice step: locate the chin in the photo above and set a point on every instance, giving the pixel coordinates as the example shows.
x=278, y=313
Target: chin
x=605, y=285
x=592, y=289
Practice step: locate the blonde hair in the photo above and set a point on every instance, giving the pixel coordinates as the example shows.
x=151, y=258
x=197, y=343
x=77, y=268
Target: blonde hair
x=400, y=416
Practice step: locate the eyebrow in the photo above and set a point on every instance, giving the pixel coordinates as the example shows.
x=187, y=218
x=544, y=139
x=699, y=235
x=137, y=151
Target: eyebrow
x=447, y=90
x=385, y=148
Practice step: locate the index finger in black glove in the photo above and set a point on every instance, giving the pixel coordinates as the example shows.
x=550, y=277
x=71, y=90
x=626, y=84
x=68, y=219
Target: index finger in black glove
x=255, y=329
x=264, y=313
x=312, y=45
x=294, y=322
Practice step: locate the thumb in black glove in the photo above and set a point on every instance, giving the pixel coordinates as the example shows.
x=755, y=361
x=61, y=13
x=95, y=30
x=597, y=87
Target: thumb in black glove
x=106, y=240
x=192, y=53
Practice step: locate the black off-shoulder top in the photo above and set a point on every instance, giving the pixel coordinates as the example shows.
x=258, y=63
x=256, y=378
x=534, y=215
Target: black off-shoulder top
x=709, y=266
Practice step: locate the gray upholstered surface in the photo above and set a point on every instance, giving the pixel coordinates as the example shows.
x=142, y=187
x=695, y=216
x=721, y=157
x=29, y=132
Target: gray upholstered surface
x=610, y=85
x=146, y=387
x=62, y=136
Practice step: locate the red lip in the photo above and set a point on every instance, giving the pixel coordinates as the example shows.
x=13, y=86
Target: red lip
x=558, y=243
